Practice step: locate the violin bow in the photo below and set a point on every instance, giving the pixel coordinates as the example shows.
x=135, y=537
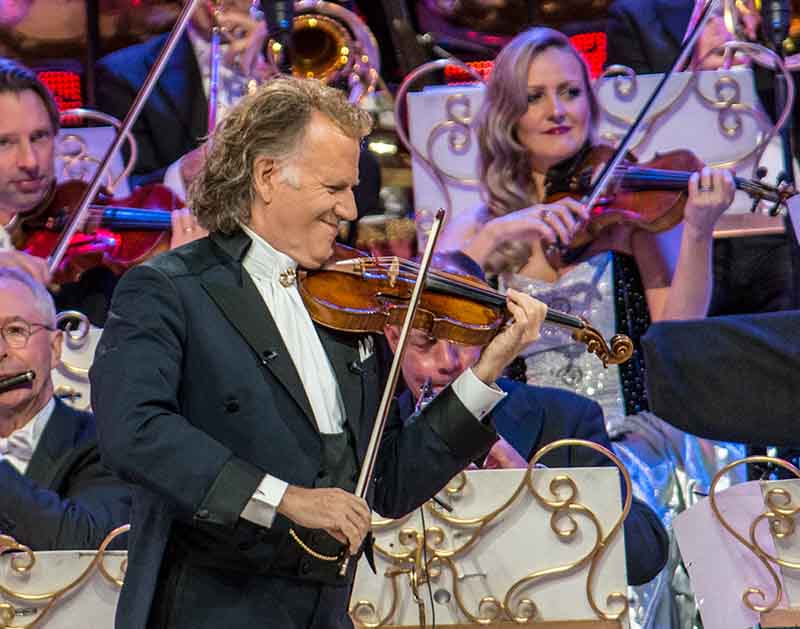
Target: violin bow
x=81, y=211
x=378, y=428
x=611, y=165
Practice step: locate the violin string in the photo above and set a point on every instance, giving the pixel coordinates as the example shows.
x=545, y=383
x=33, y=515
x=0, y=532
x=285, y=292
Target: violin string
x=413, y=267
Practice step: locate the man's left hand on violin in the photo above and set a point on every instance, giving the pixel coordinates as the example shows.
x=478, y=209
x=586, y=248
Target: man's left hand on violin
x=528, y=314
x=710, y=194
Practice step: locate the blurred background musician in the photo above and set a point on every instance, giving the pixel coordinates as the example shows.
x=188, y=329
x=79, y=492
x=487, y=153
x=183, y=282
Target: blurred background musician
x=55, y=494
x=751, y=273
x=527, y=419
x=534, y=129
x=29, y=122
x=174, y=121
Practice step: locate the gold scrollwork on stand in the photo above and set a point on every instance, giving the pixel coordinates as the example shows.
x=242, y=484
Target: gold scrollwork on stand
x=422, y=556
x=24, y=562
x=457, y=127
x=779, y=514
x=725, y=100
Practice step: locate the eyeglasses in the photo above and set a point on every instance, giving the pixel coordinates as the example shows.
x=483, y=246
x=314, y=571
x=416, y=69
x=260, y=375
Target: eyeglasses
x=17, y=332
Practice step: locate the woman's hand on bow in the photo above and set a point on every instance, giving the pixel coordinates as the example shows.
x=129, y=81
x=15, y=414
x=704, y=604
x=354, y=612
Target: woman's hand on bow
x=544, y=221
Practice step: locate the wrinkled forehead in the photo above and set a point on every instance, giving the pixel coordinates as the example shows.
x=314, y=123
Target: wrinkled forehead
x=17, y=300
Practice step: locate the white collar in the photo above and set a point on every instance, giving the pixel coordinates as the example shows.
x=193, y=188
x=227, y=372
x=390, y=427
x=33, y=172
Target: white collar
x=29, y=435
x=264, y=261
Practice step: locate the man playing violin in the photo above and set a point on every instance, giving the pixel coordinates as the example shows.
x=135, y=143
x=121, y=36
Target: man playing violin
x=240, y=423
x=54, y=492
x=29, y=123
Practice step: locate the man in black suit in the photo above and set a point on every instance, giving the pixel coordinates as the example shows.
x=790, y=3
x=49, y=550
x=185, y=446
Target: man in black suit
x=239, y=422
x=54, y=492
x=528, y=419
x=753, y=273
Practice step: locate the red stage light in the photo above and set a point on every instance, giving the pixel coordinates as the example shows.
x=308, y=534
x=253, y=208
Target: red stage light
x=591, y=46
x=65, y=87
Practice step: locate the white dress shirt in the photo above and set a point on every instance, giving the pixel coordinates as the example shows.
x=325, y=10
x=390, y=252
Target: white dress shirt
x=265, y=265
x=19, y=446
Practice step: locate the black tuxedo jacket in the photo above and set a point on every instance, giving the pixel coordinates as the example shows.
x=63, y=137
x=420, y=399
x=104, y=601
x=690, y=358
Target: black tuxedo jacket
x=197, y=398
x=531, y=417
x=743, y=386
x=67, y=499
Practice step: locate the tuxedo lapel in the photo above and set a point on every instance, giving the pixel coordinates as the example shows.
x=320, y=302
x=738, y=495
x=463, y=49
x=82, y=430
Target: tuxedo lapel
x=57, y=441
x=344, y=359
x=242, y=305
x=183, y=91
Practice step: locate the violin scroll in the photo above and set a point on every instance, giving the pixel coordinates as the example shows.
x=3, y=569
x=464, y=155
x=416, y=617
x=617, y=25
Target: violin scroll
x=617, y=352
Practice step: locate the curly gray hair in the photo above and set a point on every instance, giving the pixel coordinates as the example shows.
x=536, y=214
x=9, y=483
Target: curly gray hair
x=270, y=122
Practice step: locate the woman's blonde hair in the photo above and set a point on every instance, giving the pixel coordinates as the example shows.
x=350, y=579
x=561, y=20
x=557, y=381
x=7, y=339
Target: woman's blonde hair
x=270, y=122
x=505, y=164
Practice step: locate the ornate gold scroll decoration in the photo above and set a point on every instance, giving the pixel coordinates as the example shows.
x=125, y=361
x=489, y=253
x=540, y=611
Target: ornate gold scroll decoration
x=78, y=161
x=76, y=336
x=565, y=506
x=458, y=126
x=779, y=512
x=725, y=100
x=24, y=562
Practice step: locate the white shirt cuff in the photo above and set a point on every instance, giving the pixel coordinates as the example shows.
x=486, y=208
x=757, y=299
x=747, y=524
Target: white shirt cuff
x=173, y=179
x=263, y=506
x=478, y=397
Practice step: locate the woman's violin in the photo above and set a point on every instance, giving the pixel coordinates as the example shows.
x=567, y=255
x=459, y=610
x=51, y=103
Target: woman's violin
x=118, y=233
x=363, y=294
x=649, y=195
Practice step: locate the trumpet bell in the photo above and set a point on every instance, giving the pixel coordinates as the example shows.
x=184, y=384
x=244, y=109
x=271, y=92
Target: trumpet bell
x=321, y=49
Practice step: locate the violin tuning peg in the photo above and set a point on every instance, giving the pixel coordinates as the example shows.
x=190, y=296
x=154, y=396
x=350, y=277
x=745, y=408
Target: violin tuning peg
x=761, y=172
x=754, y=207
x=775, y=209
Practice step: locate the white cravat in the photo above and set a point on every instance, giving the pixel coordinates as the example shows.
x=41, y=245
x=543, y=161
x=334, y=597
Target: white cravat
x=266, y=266
x=19, y=446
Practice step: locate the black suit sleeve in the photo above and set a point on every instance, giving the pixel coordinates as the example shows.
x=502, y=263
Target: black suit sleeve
x=418, y=459
x=646, y=541
x=624, y=45
x=92, y=503
x=741, y=387
x=142, y=434
x=115, y=95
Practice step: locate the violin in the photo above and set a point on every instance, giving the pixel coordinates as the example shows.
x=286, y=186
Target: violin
x=649, y=195
x=363, y=294
x=118, y=233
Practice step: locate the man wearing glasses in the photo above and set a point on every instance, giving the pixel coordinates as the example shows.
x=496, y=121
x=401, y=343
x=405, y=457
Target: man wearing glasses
x=54, y=492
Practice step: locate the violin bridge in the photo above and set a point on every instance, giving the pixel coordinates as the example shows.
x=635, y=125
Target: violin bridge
x=394, y=271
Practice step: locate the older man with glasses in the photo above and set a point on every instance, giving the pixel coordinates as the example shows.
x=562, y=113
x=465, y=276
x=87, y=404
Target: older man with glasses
x=54, y=492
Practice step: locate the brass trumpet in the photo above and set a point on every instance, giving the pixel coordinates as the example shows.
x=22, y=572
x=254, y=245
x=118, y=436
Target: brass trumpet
x=331, y=43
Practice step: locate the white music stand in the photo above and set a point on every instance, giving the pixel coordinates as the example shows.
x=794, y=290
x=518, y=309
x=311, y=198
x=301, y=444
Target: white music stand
x=474, y=560
x=723, y=569
x=62, y=589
